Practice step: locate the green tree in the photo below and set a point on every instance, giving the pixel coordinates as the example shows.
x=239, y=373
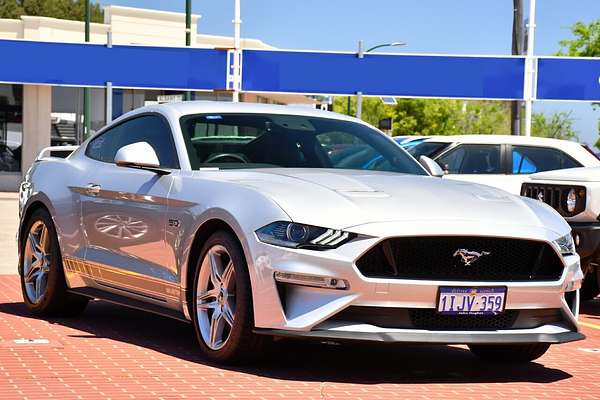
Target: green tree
x=10, y=9
x=62, y=9
x=585, y=43
x=557, y=126
x=433, y=116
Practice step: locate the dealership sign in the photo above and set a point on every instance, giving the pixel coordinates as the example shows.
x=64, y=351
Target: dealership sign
x=303, y=72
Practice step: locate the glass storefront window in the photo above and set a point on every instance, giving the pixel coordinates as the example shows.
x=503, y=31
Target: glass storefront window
x=67, y=114
x=11, y=127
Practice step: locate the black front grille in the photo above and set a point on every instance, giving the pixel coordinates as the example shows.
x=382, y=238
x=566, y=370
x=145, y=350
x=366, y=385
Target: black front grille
x=556, y=196
x=431, y=320
x=438, y=258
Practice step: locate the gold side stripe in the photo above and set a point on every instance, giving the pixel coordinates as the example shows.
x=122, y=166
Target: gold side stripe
x=120, y=278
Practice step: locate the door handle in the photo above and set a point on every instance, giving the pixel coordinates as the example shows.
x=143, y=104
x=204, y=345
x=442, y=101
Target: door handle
x=92, y=189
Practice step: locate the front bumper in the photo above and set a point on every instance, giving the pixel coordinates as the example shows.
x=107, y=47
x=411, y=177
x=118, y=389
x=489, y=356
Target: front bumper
x=311, y=312
x=553, y=334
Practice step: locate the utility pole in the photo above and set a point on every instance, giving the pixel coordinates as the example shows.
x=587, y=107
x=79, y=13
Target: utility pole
x=188, y=34
x=86, y=90
x=517, y=49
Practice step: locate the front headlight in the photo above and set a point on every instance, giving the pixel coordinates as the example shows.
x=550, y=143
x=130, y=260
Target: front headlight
x=566, y=245
x=571, y=200
x=294, y=235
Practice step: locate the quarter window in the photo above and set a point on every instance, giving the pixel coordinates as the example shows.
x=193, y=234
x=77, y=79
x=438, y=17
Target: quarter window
x=472, y=159
x=528, y=160
x=148, y=128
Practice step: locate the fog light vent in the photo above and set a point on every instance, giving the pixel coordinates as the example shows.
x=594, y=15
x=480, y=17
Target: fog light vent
x=311, y=280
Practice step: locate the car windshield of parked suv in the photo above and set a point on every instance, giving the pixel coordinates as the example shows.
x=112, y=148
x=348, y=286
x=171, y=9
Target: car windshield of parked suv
x=423, y=148
x=231, y=141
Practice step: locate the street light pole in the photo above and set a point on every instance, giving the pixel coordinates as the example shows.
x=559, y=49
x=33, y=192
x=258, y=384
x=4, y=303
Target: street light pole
x=188, y=34
x=361, y=54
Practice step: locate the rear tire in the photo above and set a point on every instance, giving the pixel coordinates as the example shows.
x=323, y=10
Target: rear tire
x=509, y=353
x=42, y=275
x=222, y=303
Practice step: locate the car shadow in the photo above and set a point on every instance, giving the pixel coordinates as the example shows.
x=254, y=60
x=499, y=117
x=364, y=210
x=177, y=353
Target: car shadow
x=305, y=361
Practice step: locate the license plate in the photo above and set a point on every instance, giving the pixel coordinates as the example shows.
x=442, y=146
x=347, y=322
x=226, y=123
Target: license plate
x=471, y=301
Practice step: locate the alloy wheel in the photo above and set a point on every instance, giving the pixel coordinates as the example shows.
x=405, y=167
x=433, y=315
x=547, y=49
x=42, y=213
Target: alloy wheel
x=215, y=297
x=36, y=263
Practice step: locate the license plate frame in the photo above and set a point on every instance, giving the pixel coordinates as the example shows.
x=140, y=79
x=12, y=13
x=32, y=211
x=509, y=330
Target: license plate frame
x=471, y=291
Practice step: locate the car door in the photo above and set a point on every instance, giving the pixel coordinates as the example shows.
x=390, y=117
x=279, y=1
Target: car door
x=124, y=213
x=477, y=163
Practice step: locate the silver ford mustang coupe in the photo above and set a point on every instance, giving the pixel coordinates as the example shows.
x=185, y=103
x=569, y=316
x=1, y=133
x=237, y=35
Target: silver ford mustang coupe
x=257, y=221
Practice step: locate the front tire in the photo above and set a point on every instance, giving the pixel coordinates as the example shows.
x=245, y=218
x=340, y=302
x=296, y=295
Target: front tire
x=222, y=302
x=42, y=275
x=509, y=353
x=590, y=288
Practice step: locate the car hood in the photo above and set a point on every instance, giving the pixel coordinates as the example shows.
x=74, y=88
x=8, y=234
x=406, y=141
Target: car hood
x=582, y=174
x=341, y=199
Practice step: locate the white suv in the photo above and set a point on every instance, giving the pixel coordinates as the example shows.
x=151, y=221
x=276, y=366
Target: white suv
x=502, y=161
x=575, y=194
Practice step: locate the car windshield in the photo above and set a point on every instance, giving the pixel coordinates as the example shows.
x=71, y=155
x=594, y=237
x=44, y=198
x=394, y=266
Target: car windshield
x=233, y=141
x=420, y=148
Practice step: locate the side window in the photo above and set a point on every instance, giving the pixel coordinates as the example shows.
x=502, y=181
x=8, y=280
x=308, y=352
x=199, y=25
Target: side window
x=472, y=159
x=148, y=128
x=528, y=160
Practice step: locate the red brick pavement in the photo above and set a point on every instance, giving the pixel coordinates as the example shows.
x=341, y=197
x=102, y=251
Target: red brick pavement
x=111, y=352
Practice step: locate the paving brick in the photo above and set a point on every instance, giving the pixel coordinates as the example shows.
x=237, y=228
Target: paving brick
x=111, y=352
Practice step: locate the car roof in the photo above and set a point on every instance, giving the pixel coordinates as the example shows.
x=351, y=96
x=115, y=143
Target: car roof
x=178, y=109
x=502, y=139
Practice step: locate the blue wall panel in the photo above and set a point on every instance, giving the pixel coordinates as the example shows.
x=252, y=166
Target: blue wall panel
x=129, y=66
x=568, y=79
x=397, y=75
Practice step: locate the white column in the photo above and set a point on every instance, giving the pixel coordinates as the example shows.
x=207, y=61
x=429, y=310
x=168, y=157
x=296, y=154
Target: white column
x=37, y=106
x=530, y=69
x=237, y=22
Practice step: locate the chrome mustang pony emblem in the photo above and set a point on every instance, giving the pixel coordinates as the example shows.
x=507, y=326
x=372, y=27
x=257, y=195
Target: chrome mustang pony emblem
x=469, y=257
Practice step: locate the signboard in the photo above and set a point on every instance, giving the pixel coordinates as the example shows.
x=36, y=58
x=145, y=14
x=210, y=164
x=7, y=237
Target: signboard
x=383, y=74
x=568, y=79
x=125, y=66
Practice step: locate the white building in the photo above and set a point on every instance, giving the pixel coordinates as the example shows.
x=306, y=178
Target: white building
x=35, y=116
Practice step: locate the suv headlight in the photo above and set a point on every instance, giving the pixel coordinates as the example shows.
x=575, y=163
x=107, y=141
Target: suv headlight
x=566, y=245
x=294, y=235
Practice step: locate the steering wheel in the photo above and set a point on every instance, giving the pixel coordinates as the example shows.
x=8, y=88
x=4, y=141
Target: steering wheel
x=224, y=156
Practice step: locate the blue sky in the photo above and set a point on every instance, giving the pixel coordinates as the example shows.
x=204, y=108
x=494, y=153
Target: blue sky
x=427, y=26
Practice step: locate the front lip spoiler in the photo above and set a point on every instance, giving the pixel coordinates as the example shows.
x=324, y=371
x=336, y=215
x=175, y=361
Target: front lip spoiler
x=427, y=337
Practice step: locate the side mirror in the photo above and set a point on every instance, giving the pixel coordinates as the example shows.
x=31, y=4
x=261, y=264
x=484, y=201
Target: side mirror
x=431, y=166
x=139, y=155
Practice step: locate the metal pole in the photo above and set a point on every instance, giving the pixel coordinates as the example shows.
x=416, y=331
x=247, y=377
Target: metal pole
x=361, y=54
x=529, y=69
x=109, y=92
x=109, y=89
x=188, y=34
x=517, y=49
x=86, y=90
x=237, y=22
